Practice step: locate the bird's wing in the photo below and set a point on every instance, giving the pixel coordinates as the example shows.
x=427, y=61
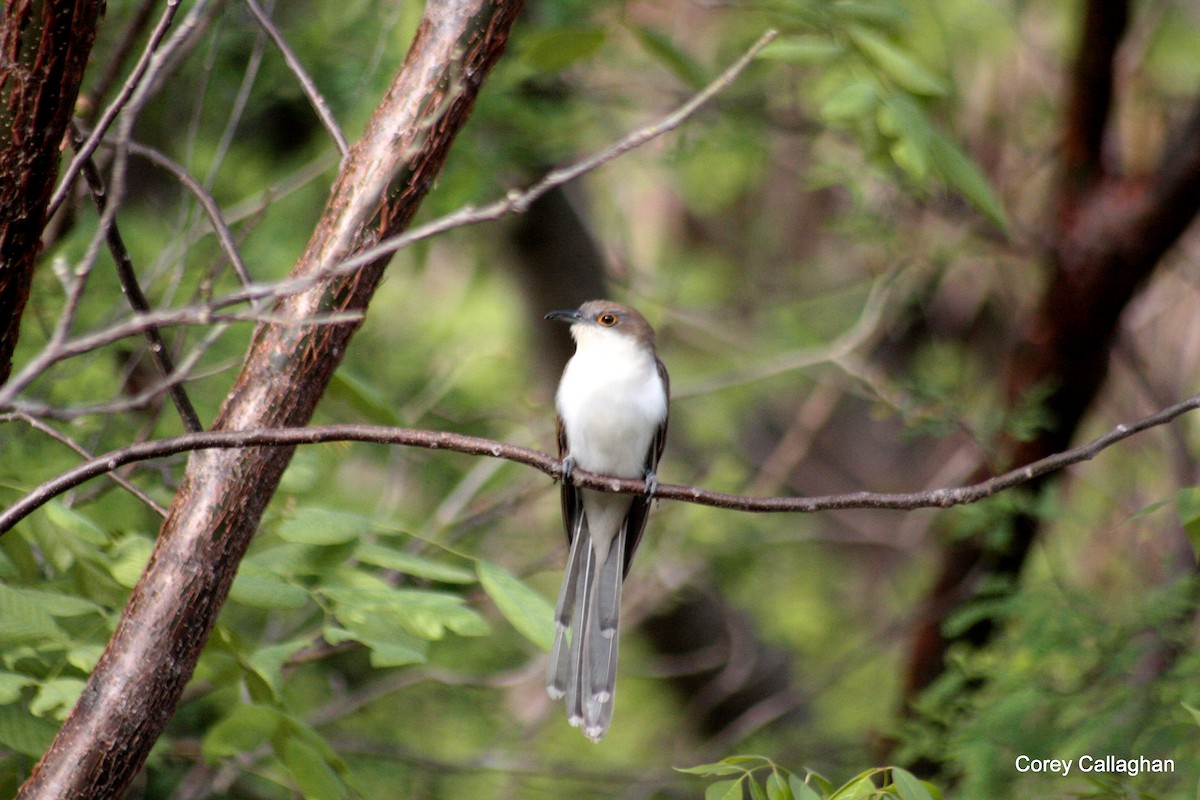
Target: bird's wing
x=635, y=523
x=572, y=503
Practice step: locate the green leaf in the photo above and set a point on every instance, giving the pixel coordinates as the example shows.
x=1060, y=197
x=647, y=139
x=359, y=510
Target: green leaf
x=58, y=605
x=245, y=727
x=11, y=685
x=778, y=788
x=323, y=526
x=365, y=397
x=1195, y=712
x=130, y=555
x=859, y=787
x=897, y=64
x=886, y=14
x=802, y=50
x=911, y=158
x=670, y=56
x=409, y=564
x=84, y=656
x=801, y=790
x=315, y=779
x=257, y=588
x=907, y=785
x=56, y=696
x=850, y=103
x=724, y=790
x=75, y=523
x=389, y=647
x=23, y=620
x=718, y=768
x=267, y=662
x=1187, y=508
x=959, y=172
x=923, y=148
x=24, y=733
x=558, y=48
x=524, y=608
x=756, y=791
x=361, y=597
x=430, y=614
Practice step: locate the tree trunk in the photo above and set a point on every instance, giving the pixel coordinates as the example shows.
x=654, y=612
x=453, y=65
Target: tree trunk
x=44, y=47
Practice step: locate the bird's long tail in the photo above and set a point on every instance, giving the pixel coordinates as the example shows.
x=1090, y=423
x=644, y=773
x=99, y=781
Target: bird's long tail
x=584, y=670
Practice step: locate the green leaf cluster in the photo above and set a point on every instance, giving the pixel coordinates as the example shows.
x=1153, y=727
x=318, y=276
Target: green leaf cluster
x=763, y=779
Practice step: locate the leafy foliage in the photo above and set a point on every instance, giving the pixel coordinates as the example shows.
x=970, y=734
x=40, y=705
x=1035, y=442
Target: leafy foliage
x=765, y=780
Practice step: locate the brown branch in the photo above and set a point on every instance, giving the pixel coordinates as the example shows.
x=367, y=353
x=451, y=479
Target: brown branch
x=1089, y=97
x=137, y=684
x=63, y=439
x=133, y=291
x=552, y=466
x=144, y=65
x=306, y=83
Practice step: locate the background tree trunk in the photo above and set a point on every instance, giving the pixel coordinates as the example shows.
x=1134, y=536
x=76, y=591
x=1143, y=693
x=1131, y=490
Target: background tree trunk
x=1106, y=237
x=44, y=47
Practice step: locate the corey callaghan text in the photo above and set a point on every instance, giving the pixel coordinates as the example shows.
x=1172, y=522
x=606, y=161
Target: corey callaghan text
x=1108, y=765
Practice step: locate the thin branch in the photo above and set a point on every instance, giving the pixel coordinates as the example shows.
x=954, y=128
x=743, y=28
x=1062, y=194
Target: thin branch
x=67, y=441
x=306, y=83
x=106, y=119
x=133, y=291
x=518, y=201
x=207, y=202
x=139, y=323
x=515, y=202
x=552, y=466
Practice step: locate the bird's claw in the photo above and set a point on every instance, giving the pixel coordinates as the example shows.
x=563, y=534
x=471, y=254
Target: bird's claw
x=568, y=467
x=651, y=484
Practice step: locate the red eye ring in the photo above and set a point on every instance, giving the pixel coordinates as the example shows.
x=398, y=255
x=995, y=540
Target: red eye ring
x=607, y=319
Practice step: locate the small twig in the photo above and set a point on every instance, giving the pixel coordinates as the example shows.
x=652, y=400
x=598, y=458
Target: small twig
x=133, y=291
x=552, y=466
x=207, y=202
x=85, y=151
x=135, y=326
x=518, y=201
x=306, y=83
x=63, y=439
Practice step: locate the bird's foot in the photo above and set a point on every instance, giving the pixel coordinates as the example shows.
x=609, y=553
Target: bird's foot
x=651, y=484
x=568, y=467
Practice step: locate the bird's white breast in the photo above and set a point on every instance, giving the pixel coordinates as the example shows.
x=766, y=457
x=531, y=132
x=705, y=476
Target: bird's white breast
x=611, y=401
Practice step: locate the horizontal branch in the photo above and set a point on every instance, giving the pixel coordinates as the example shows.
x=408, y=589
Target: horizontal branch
x=552, y=466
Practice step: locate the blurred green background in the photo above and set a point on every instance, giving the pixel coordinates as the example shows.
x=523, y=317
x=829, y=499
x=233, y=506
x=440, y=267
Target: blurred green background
x=836, y=254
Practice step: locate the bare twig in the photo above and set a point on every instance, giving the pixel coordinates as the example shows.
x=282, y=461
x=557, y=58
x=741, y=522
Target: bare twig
x=306, y=83
x=552, y=466
x=63, y=439
x=85, y=151
x=518, y=201
x=133, y=292
x=207, y=202
x=138, y=324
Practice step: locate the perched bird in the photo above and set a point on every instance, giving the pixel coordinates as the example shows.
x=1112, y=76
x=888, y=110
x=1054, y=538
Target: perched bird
x=612, y=419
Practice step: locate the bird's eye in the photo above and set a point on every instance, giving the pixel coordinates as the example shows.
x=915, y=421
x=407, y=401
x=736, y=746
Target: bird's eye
x=607, y=319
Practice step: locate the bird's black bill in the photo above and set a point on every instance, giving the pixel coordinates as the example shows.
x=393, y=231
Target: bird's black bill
x=571, y=316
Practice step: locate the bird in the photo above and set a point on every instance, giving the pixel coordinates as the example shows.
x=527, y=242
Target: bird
x=612, y=404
